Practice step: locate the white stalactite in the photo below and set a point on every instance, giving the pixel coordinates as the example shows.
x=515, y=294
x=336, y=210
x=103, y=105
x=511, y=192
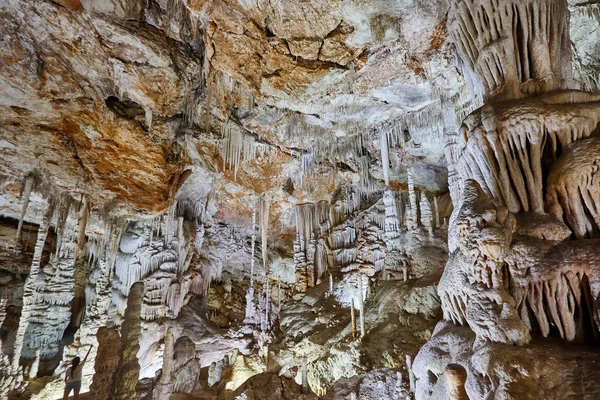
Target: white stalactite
x=385, y=158
x=29, y=289
x=26, y=194
x=414, y=210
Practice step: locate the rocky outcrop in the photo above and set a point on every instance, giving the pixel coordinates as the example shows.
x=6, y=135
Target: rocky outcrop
x=270, y=385
x=514, y=272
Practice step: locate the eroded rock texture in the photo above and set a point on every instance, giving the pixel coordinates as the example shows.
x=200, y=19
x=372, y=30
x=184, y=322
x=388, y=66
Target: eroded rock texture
x=283, y=199
x=524, y=262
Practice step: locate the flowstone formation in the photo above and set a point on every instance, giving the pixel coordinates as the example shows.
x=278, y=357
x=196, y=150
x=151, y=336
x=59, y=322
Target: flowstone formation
x=524, y=261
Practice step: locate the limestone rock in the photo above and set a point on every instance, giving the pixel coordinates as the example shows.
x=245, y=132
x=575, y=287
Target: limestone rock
x=269, y=385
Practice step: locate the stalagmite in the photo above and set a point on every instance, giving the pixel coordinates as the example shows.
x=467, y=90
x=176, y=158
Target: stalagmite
x=414, y=210
x=253, y=245
x=426, y=217
x=305, y=388
x=165, y=383
x=33, y=370
x=267, y=321
x=105, y=364
x=456, y=377
x=26, y=194
x=79, y=301
x=165, y=376
x=411, y=375
x=128, y=370
x=330, y=293
x=216, y=370
x=250, y=302
x=393, y=221
x=3, y=310
x=361, y=306
x=437, y=211
x=352, y=318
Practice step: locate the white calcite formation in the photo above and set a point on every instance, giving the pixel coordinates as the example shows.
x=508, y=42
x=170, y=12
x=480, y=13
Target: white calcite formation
x=528, y=152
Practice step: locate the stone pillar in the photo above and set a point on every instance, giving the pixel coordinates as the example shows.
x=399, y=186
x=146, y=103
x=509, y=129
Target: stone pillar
x=128, y=370
x=35, y=365
x=426, y=215
x=305, y=389
x=106, y=363
x=165, y=385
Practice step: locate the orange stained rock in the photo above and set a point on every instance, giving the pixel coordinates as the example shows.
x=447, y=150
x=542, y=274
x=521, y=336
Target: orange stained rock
x=74, y=5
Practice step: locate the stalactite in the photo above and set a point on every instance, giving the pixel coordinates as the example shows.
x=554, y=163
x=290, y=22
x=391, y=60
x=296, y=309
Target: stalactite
x=264, y=229
x=29, y=290
x=26, y=194
x=414, y=210
x=278, y=295
x=238, y=146
x=509, y=62
x=385, y=158
x=573, y=188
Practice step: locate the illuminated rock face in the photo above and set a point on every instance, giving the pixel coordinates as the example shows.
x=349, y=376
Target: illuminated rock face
x=513, y=49
x=524, y=260
x=522, y=150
